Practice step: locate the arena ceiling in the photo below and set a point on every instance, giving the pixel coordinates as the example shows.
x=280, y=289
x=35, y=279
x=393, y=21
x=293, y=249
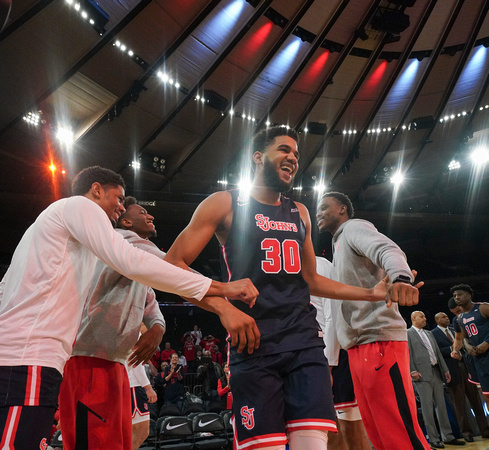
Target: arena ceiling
x=374, y=87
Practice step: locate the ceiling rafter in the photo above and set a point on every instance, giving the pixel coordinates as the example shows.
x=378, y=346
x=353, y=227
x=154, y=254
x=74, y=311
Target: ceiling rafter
x=386, y=90
x=315, y=45
x=152, y=70
x=28, y=15
x=107, y=38
x=191, y=94
x=460, y=66
x=290, y=27
x=328, y=80
x=435, y=54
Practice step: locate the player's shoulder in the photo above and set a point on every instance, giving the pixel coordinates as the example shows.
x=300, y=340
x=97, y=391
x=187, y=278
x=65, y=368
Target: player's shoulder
x=218, y=201
x=300, y=206
x=358, y=227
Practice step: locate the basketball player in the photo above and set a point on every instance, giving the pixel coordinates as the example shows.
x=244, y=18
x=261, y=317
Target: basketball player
x=351, y=432
x=281, y=390
x=474, y=325
x=374, y=336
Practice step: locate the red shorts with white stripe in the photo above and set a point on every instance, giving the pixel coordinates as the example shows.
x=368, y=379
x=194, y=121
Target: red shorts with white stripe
x=274, y=395
x=28, y=401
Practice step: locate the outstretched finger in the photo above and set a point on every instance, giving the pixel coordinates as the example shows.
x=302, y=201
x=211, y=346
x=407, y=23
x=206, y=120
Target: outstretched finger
x=234, y=338
x=242, y=341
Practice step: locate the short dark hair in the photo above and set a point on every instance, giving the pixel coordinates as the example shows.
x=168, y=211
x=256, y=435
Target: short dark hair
x=128, y=201
x=462, y=287
x=265, y=137
x=344, y=200
x=83, y=180
x=452, y=304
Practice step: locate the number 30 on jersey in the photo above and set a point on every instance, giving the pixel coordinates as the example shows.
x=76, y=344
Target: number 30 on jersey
x=278, y=256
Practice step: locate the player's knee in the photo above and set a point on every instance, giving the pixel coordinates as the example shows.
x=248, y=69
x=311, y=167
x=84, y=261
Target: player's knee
x=310, y=439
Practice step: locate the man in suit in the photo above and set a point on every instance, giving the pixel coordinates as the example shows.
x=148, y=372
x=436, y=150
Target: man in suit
x=459, y=385
x=428, y=370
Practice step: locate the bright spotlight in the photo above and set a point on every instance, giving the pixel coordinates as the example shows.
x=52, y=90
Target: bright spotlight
x=136, y=165
x=397, y=178
x=319, y=188
x=244, y=186
x=480, y=156
x=454, y=165
x=65, y=135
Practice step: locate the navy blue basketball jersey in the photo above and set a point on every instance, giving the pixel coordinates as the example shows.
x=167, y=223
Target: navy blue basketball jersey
x=475, y=325
x=265, y=244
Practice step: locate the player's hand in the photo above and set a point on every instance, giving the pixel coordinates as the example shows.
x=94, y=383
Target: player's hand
x=241, y=327
x=471, y=350
x=482, y=348
x=243, y=290
x=404, y=293
x=146, y=345
x=152, y=397
x=380, y=290
x=455, y=354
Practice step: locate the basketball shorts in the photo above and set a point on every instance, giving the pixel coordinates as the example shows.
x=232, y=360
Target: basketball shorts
x=276, y=394
x=139, y=405
x=94, y=401
x=482, y=365
x=343, y=391
x=28, y=401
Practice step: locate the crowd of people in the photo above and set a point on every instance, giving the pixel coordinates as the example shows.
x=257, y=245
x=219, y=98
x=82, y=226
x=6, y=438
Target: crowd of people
x=73, y=270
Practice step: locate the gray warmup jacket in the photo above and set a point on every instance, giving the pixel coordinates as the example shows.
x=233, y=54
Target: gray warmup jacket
x=115, y=308
x=362, y=256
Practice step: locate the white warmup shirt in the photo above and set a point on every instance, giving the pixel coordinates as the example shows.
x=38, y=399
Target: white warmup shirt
x=326, y=315
x=46, y=285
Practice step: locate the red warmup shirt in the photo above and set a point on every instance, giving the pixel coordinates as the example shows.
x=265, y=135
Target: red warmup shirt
x=189, y=350
x=166, y=355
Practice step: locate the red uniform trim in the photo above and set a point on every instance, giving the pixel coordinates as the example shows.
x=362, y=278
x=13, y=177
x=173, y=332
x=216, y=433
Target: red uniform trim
x=33, y=386
x=10, y=431
x=265, y=440
x=346, y=405
x=311, y=424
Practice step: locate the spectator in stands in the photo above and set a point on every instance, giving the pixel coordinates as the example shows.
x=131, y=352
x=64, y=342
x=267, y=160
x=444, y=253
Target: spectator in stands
x=156, y=358
x=159, y=385
x=188, y=349
x=173, y=376
x=198, y=359
x=224, y=389
x=182, y=361
x=196, y=334
x=167, y=352
x=216, y=355
x=208, y=374
x=209, y=341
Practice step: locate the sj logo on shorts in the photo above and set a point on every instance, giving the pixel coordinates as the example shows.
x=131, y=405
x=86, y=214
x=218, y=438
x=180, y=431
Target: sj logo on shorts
x=247, y=417
x=43, y=445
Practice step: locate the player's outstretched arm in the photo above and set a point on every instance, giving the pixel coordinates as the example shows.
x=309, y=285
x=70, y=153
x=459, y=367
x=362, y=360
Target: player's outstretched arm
x=325, y=287
x=210, y=218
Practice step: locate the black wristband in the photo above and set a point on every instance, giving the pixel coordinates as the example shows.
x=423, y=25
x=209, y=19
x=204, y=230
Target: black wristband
x=403, y=279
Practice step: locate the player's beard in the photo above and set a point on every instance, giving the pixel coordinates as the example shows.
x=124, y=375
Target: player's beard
x=272, y=178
